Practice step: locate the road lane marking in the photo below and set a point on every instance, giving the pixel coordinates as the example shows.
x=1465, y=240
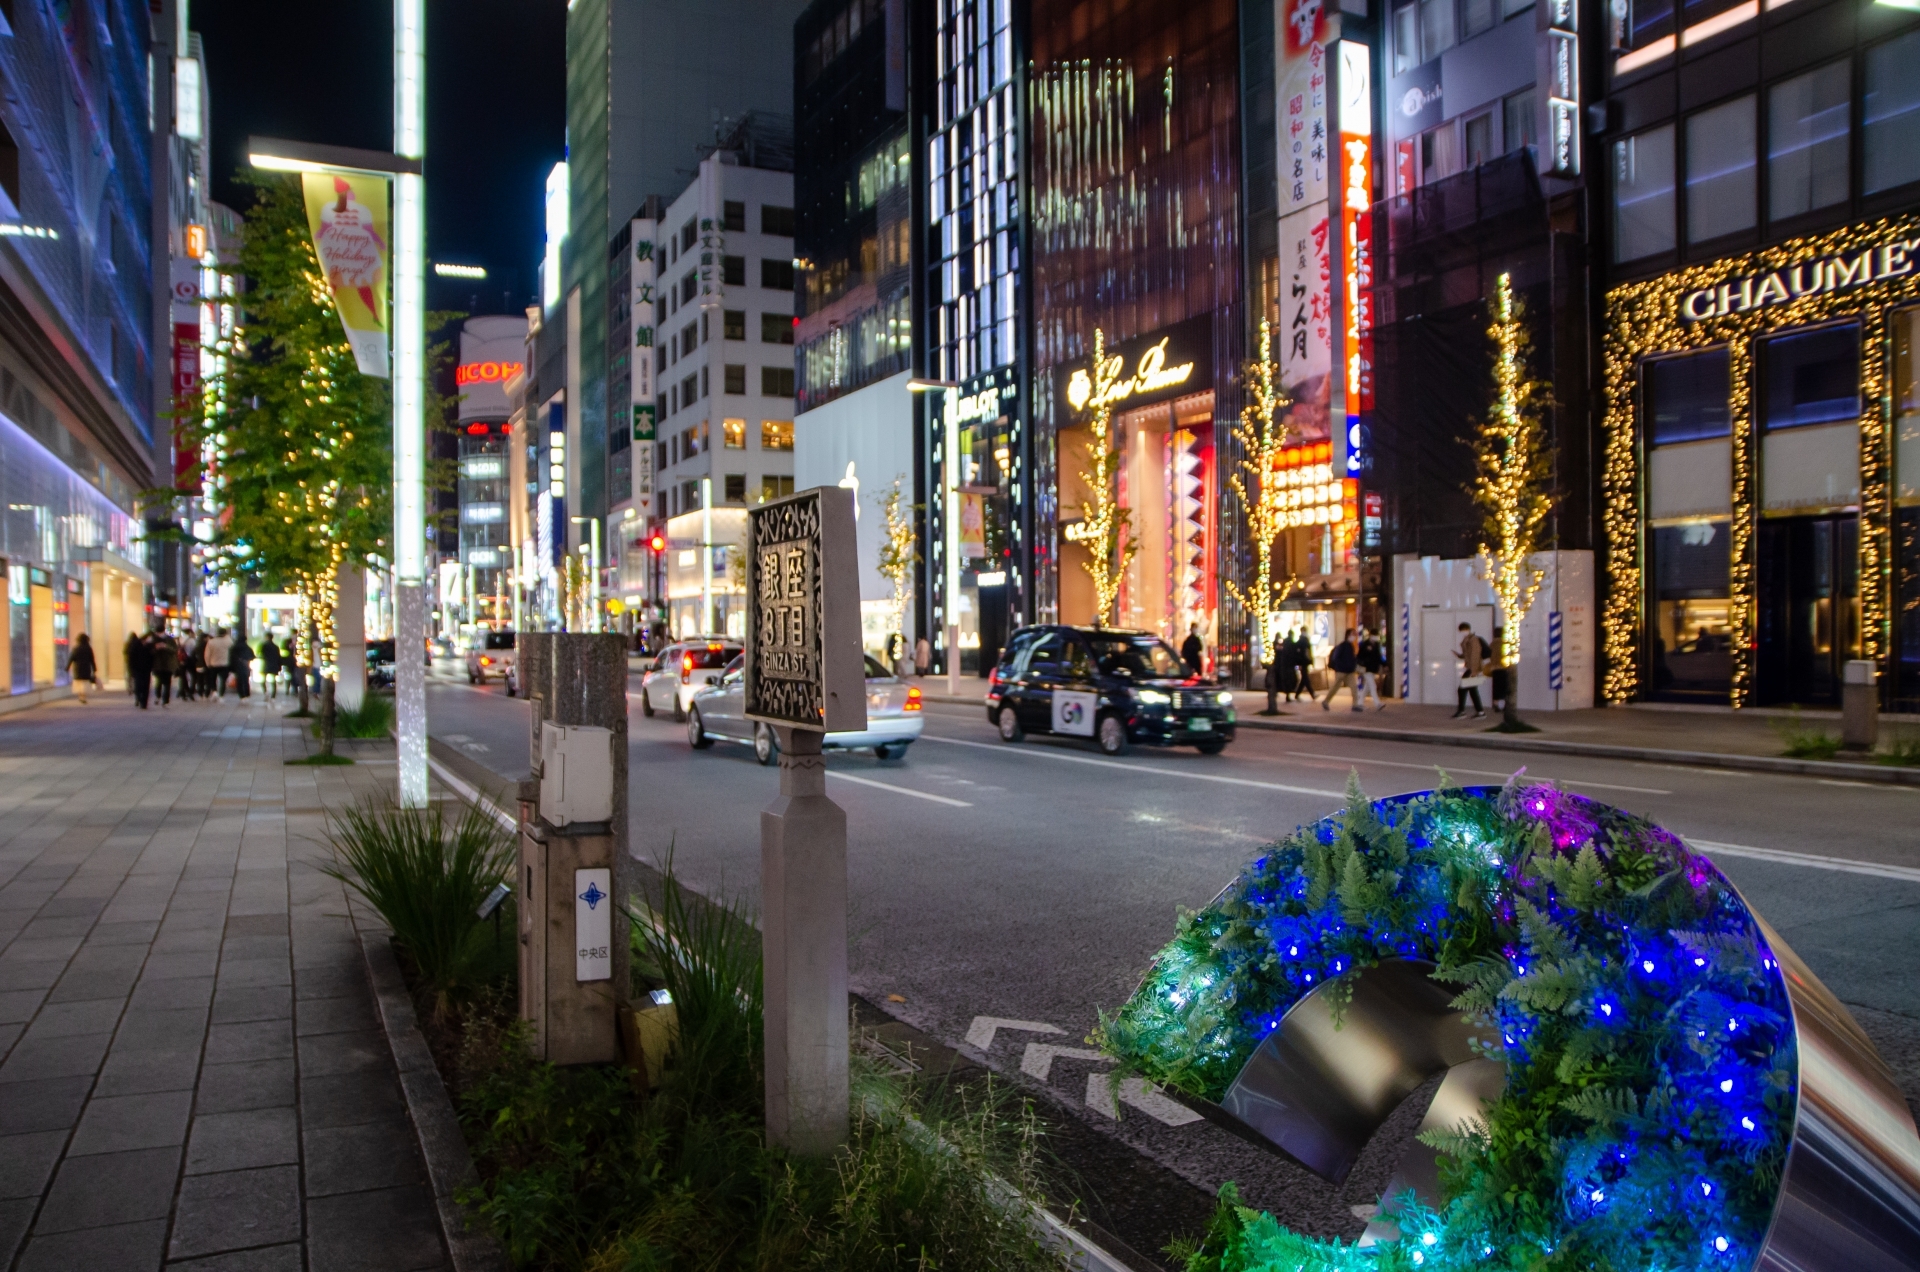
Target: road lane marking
x=980, y=1032
x=1845, y=865
x=899, y=790
x=1570, y=781
x=1140, y=1094
x=1047, y=753
x=1037, y=1060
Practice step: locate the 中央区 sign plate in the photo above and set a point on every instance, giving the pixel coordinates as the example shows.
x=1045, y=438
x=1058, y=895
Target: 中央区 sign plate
x=804, y=665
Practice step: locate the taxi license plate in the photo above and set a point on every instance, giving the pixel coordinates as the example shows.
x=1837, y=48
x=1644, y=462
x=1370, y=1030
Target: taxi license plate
x=1200, y=726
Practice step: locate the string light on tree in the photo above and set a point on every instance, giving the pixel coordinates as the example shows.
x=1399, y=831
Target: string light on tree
x=1104, y=523
x=898, y=552
x=1512, y=484
x=1262, y=436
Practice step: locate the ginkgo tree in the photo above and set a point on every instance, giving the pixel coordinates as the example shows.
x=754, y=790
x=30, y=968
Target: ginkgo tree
x=1262, y=435
x=299, y=441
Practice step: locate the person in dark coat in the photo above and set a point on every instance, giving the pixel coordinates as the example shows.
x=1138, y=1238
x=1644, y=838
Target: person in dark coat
x=1372, y=662
x=81, y=667
x=202, y=674
x=1193, y=650
x=270, y=665
x=1276, y=668
x=1300, y=659
x=140, y=668
x=166, y=665
x=1344, y=663
x=187, y=670
x=240, y=662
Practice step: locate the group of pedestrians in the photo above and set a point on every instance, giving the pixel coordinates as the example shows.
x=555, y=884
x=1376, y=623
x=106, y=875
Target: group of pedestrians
x=1356, y=663
x=203, y=664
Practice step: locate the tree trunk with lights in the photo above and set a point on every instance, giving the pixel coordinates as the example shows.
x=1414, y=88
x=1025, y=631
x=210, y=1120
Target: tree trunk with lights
x=1103, y=522
x=898, y=557
x=1262, y=436
x=1513, y=487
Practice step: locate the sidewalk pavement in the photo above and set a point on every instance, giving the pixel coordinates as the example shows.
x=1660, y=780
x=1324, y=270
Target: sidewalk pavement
x=1652, y=732
x=191, y=1070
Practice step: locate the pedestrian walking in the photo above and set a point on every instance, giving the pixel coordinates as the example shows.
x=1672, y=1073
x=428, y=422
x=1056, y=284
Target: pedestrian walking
x=240, y=662
x=202, y=674
x=1193, y=651
x=270, y=666
x=922, y=656
x=1473, y=659
x=126, y=658
x=1372, y=661
x=140, y=668
x=1344, y=663
x=166, y=665
x=81, y=667
x=187, y=671
x=1301, y=661
x=216, y=653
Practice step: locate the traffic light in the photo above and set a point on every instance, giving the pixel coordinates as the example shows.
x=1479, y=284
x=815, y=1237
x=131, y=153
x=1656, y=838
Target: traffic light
x=657, y=542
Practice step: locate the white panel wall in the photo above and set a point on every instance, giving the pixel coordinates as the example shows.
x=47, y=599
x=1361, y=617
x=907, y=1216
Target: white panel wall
x=1432, y=597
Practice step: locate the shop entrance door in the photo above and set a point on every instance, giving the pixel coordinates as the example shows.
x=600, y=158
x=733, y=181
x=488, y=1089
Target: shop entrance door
x=993, y=624
x=1808, y=608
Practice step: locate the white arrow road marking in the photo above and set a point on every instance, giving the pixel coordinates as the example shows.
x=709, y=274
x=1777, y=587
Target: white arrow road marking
x=1140, y=1095
x=1038, y=1060
x=899, y=790
x=980, y=1032
x=1845, y=865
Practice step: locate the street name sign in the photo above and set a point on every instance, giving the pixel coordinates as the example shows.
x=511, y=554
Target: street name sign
x=804, y=667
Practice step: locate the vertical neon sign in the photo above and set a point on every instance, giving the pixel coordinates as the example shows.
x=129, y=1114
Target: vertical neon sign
x=1356, y=235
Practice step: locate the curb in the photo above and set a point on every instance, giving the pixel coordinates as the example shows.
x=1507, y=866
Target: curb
x=1882, y=774
x=435, y=1126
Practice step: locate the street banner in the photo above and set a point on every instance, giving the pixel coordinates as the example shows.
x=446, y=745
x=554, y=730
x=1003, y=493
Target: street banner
x=348, y=217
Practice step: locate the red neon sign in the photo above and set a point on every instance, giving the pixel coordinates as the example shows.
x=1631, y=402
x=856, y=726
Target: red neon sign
x=486, y=372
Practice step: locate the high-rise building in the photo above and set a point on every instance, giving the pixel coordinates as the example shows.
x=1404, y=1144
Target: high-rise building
x=1757, y=391
x=80, y=393
x=853, y=243
x=492, y=353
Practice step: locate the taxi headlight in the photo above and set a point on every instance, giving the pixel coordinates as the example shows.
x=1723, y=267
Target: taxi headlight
x=1154, y=698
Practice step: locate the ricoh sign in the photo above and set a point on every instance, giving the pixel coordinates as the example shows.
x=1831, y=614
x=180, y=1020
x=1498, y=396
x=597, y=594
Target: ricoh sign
x=1807, y=278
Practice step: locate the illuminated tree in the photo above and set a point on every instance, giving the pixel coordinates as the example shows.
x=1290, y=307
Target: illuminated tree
x=898, y=552
x=1514, y=484
x=1262, y=436
x=1103, y=522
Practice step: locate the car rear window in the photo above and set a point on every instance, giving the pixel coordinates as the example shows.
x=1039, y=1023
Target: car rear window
x=710, y=655
x=499, y=640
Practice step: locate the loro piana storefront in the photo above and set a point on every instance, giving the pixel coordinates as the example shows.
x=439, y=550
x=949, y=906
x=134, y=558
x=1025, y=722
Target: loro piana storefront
x=1761, y=478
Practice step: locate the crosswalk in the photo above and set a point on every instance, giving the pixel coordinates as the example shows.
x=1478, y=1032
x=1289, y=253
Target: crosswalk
x=1102, y=1096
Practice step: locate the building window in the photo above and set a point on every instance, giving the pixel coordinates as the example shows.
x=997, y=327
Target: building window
x=776, y=382
x=736, y=484
x=1891, y=113
x=733, y=434
x=1686, y=398
x=734, y=324
x=1519, y=125
x=9, y=166
x=1807, y=142
x=1479, y=139
x=1475, y=16
x=1510, y=7
x=1810, y=377
x=689, y=390
x=776, y=435
x=733, y=271
x=776, y=329
x=689, y=233
x=689, y=339
x=690, y=494
x=1439, y=152
x=1720, y=171
x=1643, y=194
x=734, y=379
x=772, y=487
x=776, y=220
x=733, y=216
x=776, y=275
x=688, y=285
x=1436, y=28
x=1651, y=20
x=1406, y=39
x=703, y=382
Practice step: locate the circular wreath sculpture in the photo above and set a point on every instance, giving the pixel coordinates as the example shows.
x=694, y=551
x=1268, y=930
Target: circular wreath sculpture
x=1645, y=1048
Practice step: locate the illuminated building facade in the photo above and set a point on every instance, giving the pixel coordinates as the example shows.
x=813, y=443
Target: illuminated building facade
x=1761, y=443
x=492, y=354
x=1134, y=163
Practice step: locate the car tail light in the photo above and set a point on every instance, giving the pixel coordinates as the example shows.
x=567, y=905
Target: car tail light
x=913, y=698
x=686, y=668
x=486, y=662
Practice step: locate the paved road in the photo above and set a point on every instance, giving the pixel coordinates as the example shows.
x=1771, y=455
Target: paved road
x=1035, y=882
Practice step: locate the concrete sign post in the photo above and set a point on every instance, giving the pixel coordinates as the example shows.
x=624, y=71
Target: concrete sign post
x=805, y=677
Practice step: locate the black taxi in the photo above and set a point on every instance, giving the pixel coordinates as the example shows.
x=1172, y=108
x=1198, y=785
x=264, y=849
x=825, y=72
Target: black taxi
x=1116, y=686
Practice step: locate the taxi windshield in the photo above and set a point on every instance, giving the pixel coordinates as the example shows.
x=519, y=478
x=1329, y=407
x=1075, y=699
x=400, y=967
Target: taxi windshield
x=1137, y=657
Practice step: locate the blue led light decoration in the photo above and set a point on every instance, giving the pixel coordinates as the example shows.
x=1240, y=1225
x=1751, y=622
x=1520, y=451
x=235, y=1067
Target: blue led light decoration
x=1643, y=1029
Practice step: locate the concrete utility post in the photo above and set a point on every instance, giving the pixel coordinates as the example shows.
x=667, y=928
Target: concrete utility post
x=1860, y=705
x=805, y=677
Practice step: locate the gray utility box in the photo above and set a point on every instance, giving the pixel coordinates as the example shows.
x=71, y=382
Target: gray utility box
x=576, y=774
x=567, y=931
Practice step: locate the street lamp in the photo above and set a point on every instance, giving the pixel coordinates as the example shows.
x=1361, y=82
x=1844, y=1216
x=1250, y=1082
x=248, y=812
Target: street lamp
x=950, y=492
x=408, y=367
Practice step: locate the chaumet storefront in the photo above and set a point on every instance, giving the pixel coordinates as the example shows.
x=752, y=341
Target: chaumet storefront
x=1762, y=474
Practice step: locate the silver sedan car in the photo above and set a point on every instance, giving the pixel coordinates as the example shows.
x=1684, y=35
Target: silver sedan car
x=894, y=717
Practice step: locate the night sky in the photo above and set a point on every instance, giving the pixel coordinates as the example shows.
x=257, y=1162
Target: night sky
x=496, y=115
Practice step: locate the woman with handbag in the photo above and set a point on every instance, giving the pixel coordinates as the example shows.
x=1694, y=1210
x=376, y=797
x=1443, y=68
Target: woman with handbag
x=1472, y=661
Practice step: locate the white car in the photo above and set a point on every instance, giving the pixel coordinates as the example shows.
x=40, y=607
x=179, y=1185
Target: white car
x=894, y=717
x=491, y=654
x=683, y=669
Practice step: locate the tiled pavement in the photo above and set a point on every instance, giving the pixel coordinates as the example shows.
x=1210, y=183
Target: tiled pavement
x=191, y=1071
